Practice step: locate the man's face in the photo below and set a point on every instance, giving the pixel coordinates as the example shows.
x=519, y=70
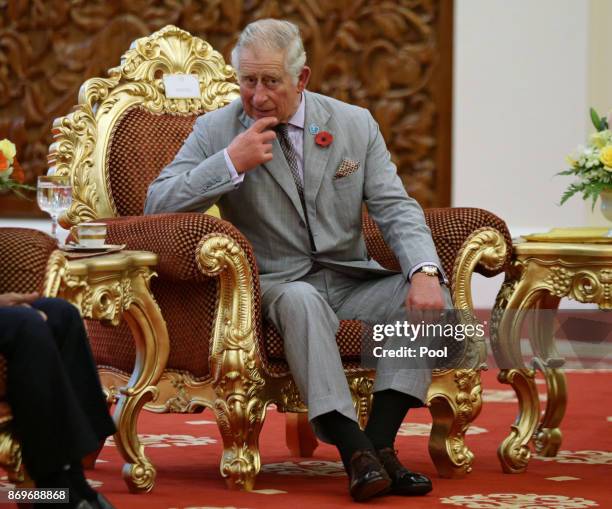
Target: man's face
x=266, y=88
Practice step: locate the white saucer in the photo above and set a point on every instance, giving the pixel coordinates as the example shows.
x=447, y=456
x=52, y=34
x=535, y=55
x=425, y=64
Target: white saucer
x=89, y=249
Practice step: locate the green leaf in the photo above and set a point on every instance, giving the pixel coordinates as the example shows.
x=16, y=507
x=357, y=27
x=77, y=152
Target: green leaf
x=569, y=192
x=599, y=123
x=566, y=172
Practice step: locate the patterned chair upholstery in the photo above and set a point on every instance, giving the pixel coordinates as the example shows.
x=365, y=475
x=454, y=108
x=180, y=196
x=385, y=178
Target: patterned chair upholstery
x=23, y=260
x=223, y=356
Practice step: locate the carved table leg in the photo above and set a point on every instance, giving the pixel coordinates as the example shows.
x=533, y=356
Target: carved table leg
x=455, y=400
x=512, y=308
x=548, y=436
x=152, y=348
x=299, y=436
x=107, y=288
x=514, y=452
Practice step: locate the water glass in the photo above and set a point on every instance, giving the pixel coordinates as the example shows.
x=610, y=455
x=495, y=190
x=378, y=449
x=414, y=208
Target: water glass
x=54, y=196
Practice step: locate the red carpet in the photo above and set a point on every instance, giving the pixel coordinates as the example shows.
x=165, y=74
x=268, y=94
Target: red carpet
x=186, y=451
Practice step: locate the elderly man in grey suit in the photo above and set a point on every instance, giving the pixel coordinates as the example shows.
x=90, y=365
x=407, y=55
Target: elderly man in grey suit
x=291, y=169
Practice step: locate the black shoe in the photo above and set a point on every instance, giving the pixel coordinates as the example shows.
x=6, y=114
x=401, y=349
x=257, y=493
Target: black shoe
x=403, y=481
x=80, y=504
x=367, y=477
x=101, y=502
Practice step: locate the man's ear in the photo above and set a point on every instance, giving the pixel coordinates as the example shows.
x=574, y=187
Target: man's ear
x=303, y=78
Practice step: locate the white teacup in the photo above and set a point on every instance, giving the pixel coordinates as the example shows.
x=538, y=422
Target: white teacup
x=89, y=234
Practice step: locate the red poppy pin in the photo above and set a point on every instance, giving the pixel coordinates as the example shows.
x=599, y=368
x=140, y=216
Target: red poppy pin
x=324, y=138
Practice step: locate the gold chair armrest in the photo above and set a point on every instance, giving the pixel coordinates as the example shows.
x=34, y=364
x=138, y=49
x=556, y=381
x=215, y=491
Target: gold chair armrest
x=485, y=247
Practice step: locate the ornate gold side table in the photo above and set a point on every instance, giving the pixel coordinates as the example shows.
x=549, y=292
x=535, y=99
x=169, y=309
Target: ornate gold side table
x=541, y=274
x=111, y=287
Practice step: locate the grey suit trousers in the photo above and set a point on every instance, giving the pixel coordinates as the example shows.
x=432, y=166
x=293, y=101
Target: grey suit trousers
x=307, y=313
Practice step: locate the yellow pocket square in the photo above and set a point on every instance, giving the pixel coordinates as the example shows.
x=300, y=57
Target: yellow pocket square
x=346, y=168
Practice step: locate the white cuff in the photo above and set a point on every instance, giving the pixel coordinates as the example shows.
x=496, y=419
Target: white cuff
x=237, y=178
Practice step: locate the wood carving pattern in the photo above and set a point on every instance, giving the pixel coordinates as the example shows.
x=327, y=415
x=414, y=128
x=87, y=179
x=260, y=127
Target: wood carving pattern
x=389, y=57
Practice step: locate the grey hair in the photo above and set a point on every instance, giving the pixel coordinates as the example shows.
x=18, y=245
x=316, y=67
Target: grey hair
x=276, y=35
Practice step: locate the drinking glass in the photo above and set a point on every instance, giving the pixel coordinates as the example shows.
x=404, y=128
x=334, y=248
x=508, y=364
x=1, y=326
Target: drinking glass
x=54, y=196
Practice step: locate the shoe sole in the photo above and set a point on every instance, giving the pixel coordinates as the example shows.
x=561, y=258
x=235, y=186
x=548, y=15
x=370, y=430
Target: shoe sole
x=413, y=491
x=371, y=489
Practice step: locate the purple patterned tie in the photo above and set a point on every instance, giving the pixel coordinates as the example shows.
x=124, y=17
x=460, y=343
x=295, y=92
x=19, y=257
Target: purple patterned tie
x=291, y=157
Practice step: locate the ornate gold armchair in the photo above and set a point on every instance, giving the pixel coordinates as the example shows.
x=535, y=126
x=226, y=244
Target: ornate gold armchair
x=223, y=356
x=23, y=258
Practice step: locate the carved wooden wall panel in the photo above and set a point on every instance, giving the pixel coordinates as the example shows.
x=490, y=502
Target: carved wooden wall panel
x=393, y=58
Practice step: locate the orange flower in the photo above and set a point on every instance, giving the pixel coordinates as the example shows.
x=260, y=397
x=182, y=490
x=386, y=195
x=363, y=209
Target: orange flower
x=3, y=162
x=18, y=173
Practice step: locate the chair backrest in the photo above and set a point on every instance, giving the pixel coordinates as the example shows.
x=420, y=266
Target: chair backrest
x=125, y=130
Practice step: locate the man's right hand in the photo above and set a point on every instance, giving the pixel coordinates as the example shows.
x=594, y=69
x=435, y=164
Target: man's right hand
x=20, y=299
x=254, y=146
x=16, y=299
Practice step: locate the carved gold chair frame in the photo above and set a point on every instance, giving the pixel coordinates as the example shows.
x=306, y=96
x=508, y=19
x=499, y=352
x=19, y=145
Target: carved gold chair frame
x=239, y=388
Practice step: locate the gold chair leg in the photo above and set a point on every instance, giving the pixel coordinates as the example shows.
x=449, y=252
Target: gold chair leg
x=240, y=421
x=455, y=400
x=299, y=436
x=238, y=383
x=10, y=455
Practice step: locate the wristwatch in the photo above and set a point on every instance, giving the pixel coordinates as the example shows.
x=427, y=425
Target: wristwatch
x=429, y=270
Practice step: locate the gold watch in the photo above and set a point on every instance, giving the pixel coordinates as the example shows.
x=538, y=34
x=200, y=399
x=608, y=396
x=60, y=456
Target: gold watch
x=429, y=270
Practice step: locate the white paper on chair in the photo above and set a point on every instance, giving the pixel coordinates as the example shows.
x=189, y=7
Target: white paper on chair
x=181, y=86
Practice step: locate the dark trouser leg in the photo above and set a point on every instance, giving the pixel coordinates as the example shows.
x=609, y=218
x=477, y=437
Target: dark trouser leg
x=48, y=419
x=70, y=336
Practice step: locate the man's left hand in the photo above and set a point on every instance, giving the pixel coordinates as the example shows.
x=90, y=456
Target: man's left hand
x=425, y=293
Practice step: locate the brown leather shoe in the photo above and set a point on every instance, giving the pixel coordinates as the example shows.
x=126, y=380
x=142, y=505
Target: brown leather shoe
x=367, y=476
x=403, y=481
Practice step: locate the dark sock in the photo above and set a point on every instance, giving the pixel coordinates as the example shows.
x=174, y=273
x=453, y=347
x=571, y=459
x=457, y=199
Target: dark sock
x=345, y=434
x=389, y=408
x=79, y=483
x=53, y=480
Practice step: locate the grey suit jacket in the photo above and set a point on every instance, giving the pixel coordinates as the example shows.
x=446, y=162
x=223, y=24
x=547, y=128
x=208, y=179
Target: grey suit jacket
x=266, y=207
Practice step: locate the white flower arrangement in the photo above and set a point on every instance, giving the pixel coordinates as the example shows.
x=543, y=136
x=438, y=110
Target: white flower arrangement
x=592, y=164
